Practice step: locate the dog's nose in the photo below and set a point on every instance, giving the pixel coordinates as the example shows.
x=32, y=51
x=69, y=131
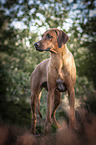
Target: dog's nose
x=36, y=44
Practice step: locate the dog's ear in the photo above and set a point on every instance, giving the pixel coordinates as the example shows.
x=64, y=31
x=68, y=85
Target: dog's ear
x=62, y=39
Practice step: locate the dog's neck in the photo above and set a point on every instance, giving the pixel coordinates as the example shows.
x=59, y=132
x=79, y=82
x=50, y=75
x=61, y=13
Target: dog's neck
x=62, y=62
x=61, y=59
x=60, y=53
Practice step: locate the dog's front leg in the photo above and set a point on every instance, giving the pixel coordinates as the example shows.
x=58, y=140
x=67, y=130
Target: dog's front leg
x=57, y=101
x=50, y=103
x=71, y=94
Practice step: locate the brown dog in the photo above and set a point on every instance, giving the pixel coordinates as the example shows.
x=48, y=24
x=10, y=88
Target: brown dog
x=38, y=82
x=61, y=73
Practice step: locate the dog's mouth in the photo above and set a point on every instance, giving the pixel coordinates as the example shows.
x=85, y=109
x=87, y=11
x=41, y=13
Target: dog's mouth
x=40, y=49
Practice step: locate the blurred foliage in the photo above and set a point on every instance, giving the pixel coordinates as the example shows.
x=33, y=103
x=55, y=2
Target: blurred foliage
x=15, y=113
x=21, y=24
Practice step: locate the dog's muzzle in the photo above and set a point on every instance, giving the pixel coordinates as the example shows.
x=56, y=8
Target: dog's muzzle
x=37, y=46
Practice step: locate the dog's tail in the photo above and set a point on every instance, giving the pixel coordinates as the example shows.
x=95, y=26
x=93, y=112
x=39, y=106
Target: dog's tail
x=39, y=97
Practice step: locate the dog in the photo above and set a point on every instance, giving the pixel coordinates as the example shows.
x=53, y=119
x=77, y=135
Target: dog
x=38, y=81
x=61, y=73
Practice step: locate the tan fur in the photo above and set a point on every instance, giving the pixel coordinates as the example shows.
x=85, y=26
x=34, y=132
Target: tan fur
x=61, y=70
x=37, y=82
x=38, y=77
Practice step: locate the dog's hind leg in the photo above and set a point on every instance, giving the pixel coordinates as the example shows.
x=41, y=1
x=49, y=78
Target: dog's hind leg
x=33, y=109
x=39, y=97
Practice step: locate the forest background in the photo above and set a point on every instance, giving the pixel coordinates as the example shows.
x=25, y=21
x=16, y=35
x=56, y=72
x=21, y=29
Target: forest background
x=22, y=22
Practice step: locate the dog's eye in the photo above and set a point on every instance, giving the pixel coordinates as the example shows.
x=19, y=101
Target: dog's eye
x=49, y=36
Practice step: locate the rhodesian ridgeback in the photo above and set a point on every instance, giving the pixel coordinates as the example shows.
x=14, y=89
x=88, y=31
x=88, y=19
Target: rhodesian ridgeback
x=61, y=73
x=38, y=82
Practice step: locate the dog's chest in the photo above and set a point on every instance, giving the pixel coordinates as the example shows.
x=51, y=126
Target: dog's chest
x=62, y=71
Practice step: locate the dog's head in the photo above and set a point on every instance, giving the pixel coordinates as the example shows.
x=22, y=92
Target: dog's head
x=52, y=40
